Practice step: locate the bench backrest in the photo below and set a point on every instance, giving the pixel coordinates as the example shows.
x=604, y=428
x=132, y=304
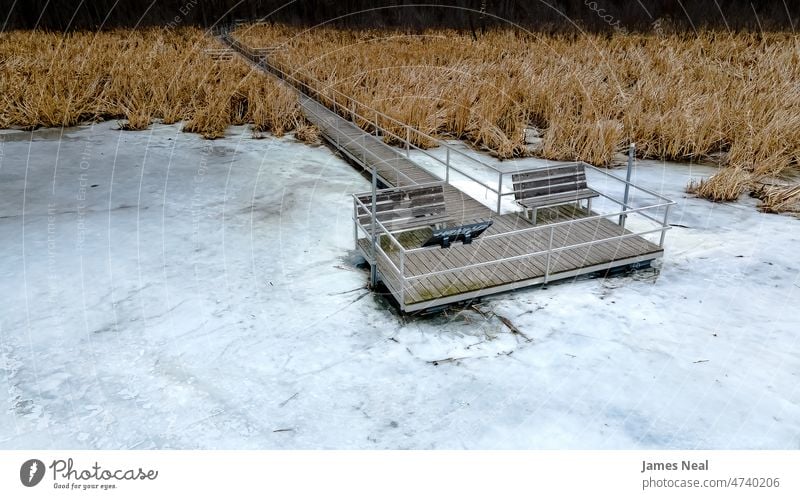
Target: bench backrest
x=549, y=180
x=404, y=208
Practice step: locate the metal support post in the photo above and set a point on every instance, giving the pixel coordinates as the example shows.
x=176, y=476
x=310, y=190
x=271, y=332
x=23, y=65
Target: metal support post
x=549, y=252
x=499, y=190
x=373, y=270
x=447, y=169
x=664, y=227
x=631, y=155
x=402, y=277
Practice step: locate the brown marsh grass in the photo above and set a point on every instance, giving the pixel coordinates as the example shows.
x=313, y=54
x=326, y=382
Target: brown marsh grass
x=728, y=97
x=779, y=198
x=55, y=80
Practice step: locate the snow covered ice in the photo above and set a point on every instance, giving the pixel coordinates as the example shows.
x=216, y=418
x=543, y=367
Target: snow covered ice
x=163, y=291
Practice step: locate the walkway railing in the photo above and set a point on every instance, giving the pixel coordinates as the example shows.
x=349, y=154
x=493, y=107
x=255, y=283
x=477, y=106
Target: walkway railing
x=651, y=218
x=654, y=216
x=377, y=122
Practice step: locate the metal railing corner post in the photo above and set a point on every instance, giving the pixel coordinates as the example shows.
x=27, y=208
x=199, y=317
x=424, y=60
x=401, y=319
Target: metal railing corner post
x=549, y=253
x=631, y=155
x=499, y=190
x=447, y=166
x=402, y=276
x=373, y=273
x=664, y=226
x=355, y=222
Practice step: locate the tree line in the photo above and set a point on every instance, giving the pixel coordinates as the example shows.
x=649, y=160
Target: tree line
x=476, y=15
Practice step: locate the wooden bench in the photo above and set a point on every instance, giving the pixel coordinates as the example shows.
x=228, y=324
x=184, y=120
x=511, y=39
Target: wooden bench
x=552, y=186
x=403, y=208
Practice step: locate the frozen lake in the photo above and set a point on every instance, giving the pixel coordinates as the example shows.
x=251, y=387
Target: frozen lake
x=162, y=291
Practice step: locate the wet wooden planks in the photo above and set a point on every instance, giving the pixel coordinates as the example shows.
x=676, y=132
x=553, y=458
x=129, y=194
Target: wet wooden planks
x=496, y=273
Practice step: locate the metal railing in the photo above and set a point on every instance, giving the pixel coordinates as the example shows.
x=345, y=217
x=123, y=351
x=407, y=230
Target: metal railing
x=379, y=123
x=375, y=121
x=654, y=218
x=378, y=232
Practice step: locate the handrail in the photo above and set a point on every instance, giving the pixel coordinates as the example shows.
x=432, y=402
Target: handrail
x=388, y=258
x=529, y=255
x=378, y=222
x=553, y=225
x=243, y=48
x=620, y=179
x=300, y=85
x=397, y=189
x=304, y=88
x=617, y=201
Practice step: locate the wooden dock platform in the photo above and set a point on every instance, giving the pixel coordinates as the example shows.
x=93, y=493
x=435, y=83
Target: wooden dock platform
x=563, y=242
x=506, y=263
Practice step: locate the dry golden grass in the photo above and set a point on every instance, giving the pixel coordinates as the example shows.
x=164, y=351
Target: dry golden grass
x=731, y=96
x=308, y=134
x=49, y=80
x=726, y=185
x=778, y=199
x=680, y=97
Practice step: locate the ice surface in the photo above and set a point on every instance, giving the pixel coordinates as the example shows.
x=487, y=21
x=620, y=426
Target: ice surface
x=162, y=291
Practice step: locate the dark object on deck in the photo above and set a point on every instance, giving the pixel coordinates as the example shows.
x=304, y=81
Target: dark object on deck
x=465, y=233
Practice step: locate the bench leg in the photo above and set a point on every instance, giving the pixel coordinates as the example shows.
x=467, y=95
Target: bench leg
x=535, y=213
x=589, y=205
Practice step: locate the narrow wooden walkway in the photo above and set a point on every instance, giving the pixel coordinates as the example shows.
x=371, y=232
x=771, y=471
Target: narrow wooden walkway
x=394, y=168
x=434, y=276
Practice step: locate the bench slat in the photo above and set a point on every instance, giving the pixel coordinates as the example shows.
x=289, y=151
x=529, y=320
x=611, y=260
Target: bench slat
x=551, y=171
x=526, y=190
x=554, y=200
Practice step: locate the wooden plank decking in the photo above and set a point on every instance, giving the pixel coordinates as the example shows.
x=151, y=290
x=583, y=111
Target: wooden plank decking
x=495, y=273
x=496, y=276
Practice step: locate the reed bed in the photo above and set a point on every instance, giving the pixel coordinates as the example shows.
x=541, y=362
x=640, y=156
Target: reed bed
x=730, y=98
x=55, y=80
x=779, y=198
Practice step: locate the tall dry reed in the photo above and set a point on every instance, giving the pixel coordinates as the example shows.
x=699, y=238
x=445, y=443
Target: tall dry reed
x=49, y=80
x=732, y=97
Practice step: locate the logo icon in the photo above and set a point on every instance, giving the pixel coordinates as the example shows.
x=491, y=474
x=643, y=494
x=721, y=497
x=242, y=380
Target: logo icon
x=31, y=472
